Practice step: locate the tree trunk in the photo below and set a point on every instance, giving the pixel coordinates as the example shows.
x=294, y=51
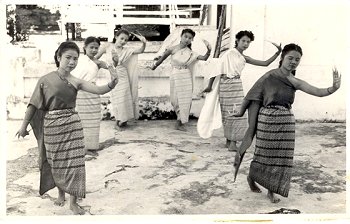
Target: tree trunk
x=220, y=31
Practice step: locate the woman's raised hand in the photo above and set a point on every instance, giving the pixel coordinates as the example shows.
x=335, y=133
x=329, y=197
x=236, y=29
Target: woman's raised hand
x=113, y=71
x=207, y=44
x=336, y=79
x=140, y=37
x=279, y=47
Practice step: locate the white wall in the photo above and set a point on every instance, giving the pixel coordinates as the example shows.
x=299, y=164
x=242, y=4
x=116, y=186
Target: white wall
x=320, y=29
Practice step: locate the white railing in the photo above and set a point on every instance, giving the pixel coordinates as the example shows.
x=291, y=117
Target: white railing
x=120, y=15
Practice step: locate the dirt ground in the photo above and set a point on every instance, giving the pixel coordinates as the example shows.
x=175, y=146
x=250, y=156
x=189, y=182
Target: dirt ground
x=152, y=169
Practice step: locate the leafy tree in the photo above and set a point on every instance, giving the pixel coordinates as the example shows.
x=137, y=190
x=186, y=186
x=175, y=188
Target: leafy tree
x=28, y=18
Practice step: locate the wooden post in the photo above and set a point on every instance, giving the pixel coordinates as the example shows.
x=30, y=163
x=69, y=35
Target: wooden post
x=73, y=30
x=203, y=15
x=66, y=26
x=220, y=31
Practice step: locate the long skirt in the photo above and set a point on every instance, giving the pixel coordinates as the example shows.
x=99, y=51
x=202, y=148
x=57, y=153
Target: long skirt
x=64, y=142
x=273, y=158
x=88, y=106
x=181, y=93
x=121, y=98
x=231, y=93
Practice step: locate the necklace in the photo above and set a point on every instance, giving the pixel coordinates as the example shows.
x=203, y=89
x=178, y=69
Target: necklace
x=64, y=79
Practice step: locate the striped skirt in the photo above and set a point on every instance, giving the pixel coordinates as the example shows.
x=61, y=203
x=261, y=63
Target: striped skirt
x=273, y=158
x=181, y=93
x=64, y=142
x=88, y=106
x=121, y=99
x=231, y=93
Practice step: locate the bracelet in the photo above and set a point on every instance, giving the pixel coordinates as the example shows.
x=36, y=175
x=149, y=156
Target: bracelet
x=109, y=86
x=328, y=90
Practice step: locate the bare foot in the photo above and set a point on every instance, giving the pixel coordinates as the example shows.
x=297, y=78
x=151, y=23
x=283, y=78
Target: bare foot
x=59, y=202
x=253, y=186
x=91, y=152
x=228, y=143
x=179, y=126
x=61, y=198
x=233, y=147
x=120, y=126
x=272, y=197
x=116, y=126
x=77, y=210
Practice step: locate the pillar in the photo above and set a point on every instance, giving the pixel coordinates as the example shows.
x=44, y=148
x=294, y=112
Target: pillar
x=212, y=15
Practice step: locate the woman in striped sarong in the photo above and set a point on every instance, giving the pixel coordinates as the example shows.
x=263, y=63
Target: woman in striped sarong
x=58, y=129
x=181, y=78
x=124, y=97
x=230, y=88
x=269, y=102
x=88, y=105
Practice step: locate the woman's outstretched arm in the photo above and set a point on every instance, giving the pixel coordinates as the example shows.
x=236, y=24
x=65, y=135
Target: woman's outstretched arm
x=266, y=62
x=315, y=91
x=161, y=59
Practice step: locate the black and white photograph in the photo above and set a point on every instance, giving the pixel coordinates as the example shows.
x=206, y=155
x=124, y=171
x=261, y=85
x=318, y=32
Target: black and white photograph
x=213, y=111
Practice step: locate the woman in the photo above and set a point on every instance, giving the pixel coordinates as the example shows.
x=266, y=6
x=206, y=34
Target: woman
x=181, y=79
x=230, y=88
x=57, y=126
x=269, y=102
x=88, y=105
x=124, y=97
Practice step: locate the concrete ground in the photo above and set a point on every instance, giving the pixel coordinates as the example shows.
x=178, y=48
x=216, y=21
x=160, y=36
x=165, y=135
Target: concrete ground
x=152, y=169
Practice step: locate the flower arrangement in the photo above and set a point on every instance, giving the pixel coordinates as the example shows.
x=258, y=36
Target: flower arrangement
x=159, y=109
x=149, y=109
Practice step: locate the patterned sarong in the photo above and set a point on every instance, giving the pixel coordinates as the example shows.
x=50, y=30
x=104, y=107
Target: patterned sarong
x=89, y=109
x=230, y=93
x=121, y=97
x=64, y=142
x=181, y=93
x=273, y=158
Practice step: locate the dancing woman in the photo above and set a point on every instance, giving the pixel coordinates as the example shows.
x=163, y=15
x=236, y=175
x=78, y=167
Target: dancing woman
x=88, y=105
x=181, y=78
x=229, y=89
x=58, y=129
x=269, y=104
x=124, y=97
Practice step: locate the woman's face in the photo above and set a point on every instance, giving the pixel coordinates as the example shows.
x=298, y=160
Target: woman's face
x=291, y=60
x=68, y=60
x=186, y=38
x=91, y=49
x=122, y=39
x=243, y=43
